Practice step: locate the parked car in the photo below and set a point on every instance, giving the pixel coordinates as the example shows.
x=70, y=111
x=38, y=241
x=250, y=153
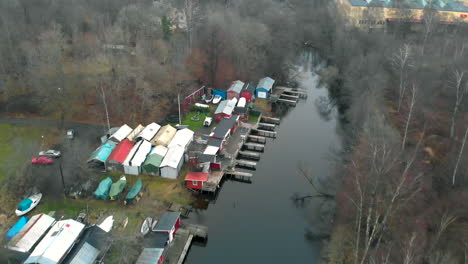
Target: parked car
x=50, y=153
x=42, y=160
x=207, y=121
x=70, y=133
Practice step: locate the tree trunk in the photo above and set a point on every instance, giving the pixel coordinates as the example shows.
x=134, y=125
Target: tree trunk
x=459, y=157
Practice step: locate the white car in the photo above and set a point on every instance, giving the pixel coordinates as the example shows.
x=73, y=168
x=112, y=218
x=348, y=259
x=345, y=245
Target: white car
x=50, y=153
x=70, y=133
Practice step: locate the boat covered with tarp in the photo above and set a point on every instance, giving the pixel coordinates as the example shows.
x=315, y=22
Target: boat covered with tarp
x=28, y=204
x=16, y=228
x=117, y=188
x=102, y=191
x=134, y=191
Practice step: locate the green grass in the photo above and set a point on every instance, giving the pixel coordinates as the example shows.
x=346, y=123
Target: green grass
x=194, y=125
x=253, y=118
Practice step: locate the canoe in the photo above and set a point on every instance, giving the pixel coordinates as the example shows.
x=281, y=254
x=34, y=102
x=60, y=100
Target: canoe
x=146, y=225
x=117, y=188
x=107, y=224
x=16, y=228
x=102, y=191
x=28, y=204
x=135, y=190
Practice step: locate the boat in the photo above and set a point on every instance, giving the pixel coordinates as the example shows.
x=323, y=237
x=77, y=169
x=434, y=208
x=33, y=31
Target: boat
x=155, y=221
x=146, y=225
x=16, y=228
x=107, y=224
x=28, y=204
x=208, y=99
x=102, y=191
x=134, y=191
x=117, y=188
x=217, y=98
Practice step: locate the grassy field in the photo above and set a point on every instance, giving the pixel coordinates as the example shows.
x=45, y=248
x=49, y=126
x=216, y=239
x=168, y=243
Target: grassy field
x=194, y=125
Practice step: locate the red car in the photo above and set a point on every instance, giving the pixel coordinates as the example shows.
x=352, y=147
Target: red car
x=42, y=160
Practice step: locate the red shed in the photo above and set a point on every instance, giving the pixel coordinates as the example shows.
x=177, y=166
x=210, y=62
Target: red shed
x=249, y=92
x=118, y=156
x=195, y=180
x=168, y=223
x=235, y=89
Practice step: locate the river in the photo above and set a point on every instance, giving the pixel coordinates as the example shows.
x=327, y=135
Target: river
x=258, y=222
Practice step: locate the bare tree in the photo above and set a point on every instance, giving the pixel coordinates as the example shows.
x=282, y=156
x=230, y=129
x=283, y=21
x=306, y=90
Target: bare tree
x=410, y=113
x=429, y=21
x=459, y=156
x=460, y=91
x=193, y=17
x=402, y=60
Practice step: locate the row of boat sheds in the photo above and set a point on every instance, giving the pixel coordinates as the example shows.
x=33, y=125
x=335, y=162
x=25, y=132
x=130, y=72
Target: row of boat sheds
x=45, y=240
x=152, y=150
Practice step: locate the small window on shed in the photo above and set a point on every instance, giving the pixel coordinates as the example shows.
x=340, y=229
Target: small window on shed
x=195, y=183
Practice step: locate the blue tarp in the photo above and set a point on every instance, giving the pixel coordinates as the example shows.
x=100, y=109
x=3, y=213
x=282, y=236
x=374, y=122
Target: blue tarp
x=103, y=152
x=25, y=204
x=16, y=228
x=102, y=191
x=220, y=93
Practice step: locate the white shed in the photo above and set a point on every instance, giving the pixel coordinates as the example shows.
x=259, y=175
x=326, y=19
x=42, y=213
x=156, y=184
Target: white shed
x=172, y=162
x=149, y=132
x=128, y=169
x=121, y=133
x=182, y=138
x=135, y=132
x=57, y=243
x=139, y=157
x=31, y=233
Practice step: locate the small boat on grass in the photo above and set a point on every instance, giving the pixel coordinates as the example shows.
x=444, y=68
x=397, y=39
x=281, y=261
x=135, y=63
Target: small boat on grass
x=107, y=224
x=117, y=188
x=28, y=204
x=102, y=191
x=146, y=225
x=134, y=191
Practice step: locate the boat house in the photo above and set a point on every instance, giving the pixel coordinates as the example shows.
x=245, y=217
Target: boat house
x=31, y=233
x=99, y=157
x=264, y=88
x=164, y=136
x=135, y=132
x=168, y=223
x=57, y=243
x=126, y=164
x=118, y=156
x=93, y=245
x=135, y=163
x=148, y=132
x=249, y=92
x=225, y=109
x=154, y=160
x=224, y=129
x=172, y=162
x=182, y=138
x=235, y=89
x=195, y=180
x=121, y=133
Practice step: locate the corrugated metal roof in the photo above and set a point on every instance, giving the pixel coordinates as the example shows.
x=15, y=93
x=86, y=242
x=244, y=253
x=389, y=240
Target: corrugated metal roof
x=149, y=132
x=93, y=242
x=266, y=83
x=159, y=150
x=56, y=243
x=121, y=151
x=196, y=176
x=135, y=132
x=87, y=254
x=167, y=221
x=150, y=256
x=141, y=154
x=236, y=86
x=122, y=133
x=224, y=126
x=154, y=160
x=220, y=107
x=103, y=152
x=182, y=138
x=32, y=232
x=164, y=135
x=173, y=157
x=131, y=154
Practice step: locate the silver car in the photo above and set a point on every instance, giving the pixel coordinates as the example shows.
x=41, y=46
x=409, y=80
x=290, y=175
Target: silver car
x=50, y=153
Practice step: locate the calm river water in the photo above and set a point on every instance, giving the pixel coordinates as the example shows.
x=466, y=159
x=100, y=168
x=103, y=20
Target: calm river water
x=258, y=222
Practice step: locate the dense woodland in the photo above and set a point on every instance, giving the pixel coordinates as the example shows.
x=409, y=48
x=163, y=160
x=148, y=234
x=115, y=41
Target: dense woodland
x=402, y=93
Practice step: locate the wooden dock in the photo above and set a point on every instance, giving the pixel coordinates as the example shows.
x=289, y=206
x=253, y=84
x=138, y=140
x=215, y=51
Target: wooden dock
x=185, y=250
x=266, y=126
x=246, y=163
x=254, y=146
x=177, y=251
x=250, y=154
x=258, y=139
x=240, y=175
x=286, y=101
x=271, y=120
x=265, y=133
x=214, y=179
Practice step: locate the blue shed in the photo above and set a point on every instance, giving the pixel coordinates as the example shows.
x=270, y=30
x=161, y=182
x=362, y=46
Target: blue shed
x=264, y=87
x=220, y=93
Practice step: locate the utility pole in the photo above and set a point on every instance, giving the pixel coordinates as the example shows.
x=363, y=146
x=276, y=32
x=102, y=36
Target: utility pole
x=178, y=102
x=63, y=180
x=105, y=106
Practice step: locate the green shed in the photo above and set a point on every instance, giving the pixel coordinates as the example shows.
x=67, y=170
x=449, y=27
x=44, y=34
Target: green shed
x=154, y=159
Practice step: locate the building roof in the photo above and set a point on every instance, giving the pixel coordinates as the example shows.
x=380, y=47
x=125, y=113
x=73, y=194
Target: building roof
x=196, y=176
x=250, y=87
x=266, y=83
x=182, y=138
x=121, y=151
x=150, y=256
x=167, y=221
x=224, y=126
x=173, y=157
x=121, y=133
x=135, y=132
x=132, y=152
x=154, y=160
x=159, y=150
x=211, y=150
x=155, y=240
x=242, y=102
x=93, y=242
x=236, y=86
x=164, y=135
x=31, y=233
x=56, y=243
x=215, y=142
x=221, y=107
x=141, y=154
x=103, y=152
x=204, y=158
x=149, y=132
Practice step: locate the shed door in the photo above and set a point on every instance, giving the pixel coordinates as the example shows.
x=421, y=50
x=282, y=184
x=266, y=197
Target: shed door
x=262, y=94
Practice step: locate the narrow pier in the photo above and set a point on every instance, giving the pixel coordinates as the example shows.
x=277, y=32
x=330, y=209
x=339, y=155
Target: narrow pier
x=290, y=102
x=271, y=120
x=246, y=163
x=265, y=133
x=250, y=154
x=291, y=97
x=182, y=240
x=254, y=146
x=240, y=176
x=266, y=126
x=258, y=139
